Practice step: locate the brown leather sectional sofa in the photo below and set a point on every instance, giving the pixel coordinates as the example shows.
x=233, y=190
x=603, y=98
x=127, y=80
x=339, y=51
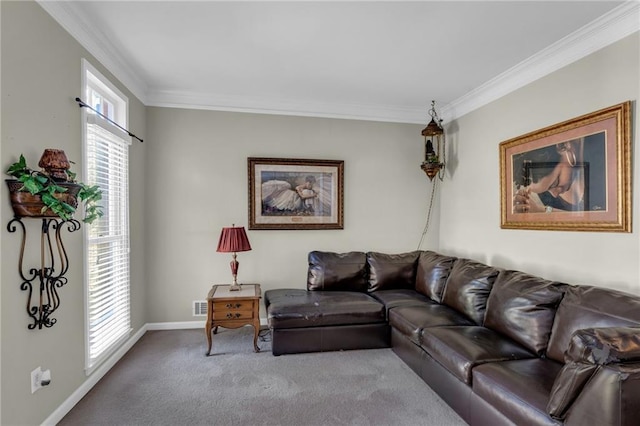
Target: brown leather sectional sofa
x=499, y=346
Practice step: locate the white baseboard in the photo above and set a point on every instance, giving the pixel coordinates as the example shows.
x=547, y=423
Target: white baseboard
x=91, y=381
x=183, y=325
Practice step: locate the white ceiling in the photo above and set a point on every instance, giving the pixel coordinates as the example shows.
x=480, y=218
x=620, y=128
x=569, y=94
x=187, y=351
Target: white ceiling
x=369, y=60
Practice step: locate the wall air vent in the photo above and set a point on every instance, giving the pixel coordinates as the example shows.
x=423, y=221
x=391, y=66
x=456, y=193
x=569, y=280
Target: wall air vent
x=199, y=308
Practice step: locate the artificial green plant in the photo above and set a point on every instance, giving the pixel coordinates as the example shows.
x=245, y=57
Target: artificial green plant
x=40, y=183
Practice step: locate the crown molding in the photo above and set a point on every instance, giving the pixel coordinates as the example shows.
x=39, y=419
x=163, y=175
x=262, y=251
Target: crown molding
x=611, y=27
x=75, y=22
x=281, y=106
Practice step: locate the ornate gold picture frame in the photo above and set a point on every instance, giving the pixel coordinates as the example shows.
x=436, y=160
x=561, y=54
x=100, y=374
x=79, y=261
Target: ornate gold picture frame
x=295, y=193
x=572, y=176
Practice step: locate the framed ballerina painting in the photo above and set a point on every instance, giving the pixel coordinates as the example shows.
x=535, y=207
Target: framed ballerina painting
x=295, y=193
x=572, y=176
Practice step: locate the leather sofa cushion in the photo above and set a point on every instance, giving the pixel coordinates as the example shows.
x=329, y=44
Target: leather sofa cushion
x=392, y=271
x=432, y=273
x=518, y=389
x=522, y=307
x=459, y=349
x=401, y=297
x=590, y=307
x=295, y=308
x=337, y=271
x=412, y=320
x=468, y=288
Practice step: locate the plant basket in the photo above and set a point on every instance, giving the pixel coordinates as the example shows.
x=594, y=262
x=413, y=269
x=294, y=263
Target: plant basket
x=24, y=204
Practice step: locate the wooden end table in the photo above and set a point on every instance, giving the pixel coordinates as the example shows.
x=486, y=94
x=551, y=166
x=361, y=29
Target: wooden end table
x=233, y=309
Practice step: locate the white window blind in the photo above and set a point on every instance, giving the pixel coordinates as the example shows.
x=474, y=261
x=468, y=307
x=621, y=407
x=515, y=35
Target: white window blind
x=107, y=249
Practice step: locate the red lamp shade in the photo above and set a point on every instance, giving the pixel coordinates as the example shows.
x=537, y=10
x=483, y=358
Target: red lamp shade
x=233, y=239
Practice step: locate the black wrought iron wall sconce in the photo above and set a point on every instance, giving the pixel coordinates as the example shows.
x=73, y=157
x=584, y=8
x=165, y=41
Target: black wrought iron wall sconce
x=50, y=276
x=50, y=195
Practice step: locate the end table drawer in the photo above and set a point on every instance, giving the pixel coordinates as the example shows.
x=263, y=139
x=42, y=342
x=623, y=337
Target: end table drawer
x=233, y=306
x=232, y=315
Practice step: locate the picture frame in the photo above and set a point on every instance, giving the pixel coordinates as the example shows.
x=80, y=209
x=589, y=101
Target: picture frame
x=296, y=194
x=571, y=176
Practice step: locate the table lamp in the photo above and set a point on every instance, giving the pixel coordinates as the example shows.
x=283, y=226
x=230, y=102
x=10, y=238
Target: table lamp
x=233, y=240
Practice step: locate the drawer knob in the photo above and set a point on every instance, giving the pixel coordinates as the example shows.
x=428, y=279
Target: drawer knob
x=230, y=305
x=230, y=315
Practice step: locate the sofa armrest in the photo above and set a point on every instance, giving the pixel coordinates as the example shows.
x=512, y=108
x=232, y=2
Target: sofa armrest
x=589, y=350
x=602, y=346
x=610, y=397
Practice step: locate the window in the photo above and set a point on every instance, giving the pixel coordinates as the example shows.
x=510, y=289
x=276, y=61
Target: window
x=106, y=164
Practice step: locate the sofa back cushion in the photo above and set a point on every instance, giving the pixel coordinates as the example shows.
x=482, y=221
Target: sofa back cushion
x=590, y=307
x=522, y=307
x=392, y=271
x=337, y=271
x=468, y=288
x=432, y=273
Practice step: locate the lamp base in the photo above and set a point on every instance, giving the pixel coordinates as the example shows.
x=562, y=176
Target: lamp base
x=235, y=286
x=234, y=273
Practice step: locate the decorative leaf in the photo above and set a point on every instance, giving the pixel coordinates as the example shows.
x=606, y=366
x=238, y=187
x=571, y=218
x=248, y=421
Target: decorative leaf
x=56, y=188
x=67, y=207
x=18, y=168
x=32, y=186
x=49, y=199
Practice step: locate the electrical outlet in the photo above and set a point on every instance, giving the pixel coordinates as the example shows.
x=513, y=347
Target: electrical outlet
x=36, y=379
x=45, y=378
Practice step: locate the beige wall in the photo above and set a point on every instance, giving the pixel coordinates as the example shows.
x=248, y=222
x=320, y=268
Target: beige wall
x=470, y=208
x=41, y=70
x=189, y=179
x=198, y=184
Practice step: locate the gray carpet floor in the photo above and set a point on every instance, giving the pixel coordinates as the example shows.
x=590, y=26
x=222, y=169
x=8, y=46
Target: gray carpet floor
x=166, y=379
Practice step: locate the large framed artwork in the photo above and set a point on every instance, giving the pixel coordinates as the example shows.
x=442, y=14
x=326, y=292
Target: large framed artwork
x=295, y=193
x=572, y=176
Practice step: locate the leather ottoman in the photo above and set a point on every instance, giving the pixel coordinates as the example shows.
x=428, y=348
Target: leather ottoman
x=318, y=321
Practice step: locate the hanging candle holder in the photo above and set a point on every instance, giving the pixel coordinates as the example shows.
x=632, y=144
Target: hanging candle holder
x=434, y=146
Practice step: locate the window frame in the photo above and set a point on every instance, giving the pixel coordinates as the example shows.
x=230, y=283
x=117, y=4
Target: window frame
x=92, y=78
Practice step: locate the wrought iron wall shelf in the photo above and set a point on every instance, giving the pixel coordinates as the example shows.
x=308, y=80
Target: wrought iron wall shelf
x=50, y=276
